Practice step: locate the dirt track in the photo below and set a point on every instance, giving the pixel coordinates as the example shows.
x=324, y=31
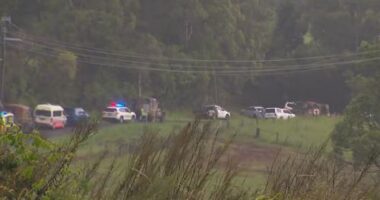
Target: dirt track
x=252, y=156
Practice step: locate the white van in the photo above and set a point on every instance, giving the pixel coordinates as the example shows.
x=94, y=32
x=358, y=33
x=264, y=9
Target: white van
x=49, y=115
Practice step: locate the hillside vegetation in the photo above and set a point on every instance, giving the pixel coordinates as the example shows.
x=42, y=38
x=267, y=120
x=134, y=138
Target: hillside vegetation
x=188, y=52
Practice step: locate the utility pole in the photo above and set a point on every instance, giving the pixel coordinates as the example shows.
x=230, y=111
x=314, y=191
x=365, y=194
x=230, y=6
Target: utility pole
x=139, y=84
x=4, y=22
x=215, y=88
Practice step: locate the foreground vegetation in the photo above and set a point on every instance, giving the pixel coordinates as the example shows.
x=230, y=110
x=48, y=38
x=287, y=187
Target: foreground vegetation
x=191, y=163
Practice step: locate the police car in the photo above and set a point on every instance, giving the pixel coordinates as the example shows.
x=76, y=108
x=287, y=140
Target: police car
x=118, y=112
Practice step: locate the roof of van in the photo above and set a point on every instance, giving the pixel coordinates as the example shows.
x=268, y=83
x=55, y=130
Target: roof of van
x=48, y=107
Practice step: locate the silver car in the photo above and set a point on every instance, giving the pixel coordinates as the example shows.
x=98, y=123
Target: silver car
x=254, y=111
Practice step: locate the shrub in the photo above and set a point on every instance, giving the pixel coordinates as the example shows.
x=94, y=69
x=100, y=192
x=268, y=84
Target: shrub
x=315, y=175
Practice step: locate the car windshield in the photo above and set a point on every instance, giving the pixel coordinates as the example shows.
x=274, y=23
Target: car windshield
x=207, y=108
x=80, y=111
x=270, y=110
x=57, y=113
x=110, y=110
x=122, y=110
x=44, y=113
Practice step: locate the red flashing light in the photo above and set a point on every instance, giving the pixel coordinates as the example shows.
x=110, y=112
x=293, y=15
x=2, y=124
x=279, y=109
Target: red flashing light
x=115, y=104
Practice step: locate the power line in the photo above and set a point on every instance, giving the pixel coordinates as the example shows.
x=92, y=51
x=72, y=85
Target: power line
x=135, y=56
x=240, y=68
x=260, y=72
x=159, y=70
x=168, y=67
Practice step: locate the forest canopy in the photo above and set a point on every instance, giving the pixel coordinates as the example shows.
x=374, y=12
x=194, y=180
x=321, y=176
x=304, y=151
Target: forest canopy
x=188, y=52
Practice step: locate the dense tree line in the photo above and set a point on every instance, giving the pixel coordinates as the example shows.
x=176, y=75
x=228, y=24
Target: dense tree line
x=359, y=131
x=169, y=33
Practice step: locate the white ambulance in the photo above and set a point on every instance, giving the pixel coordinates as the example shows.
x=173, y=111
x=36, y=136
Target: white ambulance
x=48, y=115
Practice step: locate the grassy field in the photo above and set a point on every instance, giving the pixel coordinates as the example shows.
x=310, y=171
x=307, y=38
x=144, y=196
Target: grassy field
x=301, y=132
x=254, y=154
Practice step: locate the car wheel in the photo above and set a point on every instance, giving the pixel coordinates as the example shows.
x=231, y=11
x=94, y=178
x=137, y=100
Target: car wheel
x=121, y=120
x=227, y=117
x=133, y=118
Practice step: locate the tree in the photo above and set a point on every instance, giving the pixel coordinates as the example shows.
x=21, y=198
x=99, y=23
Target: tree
x=359, y=131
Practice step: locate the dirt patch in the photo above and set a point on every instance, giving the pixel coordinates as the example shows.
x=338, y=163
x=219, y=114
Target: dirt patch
x=252, y=156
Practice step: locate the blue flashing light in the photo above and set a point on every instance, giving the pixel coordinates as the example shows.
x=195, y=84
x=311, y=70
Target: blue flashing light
x=118, y=104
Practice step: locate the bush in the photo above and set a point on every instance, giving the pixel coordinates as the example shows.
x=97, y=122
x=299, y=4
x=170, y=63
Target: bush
x=315, y=175
x=31, y=166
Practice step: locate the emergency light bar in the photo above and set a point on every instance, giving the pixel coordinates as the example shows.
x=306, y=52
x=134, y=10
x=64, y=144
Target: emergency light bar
x=118, y=104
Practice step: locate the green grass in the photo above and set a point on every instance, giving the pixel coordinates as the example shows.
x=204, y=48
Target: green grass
x=299, y=133
x=292, y=135
x=116, y=135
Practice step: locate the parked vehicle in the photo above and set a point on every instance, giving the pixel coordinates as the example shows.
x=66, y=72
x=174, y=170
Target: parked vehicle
x=48, y=115
x=308, y=108
x=148, y=109
x=118, y=112
x=278, y=113
x=7, y=121
x=254, y=111
x=212, y=112
x=23, y=116
x=75, y=115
